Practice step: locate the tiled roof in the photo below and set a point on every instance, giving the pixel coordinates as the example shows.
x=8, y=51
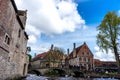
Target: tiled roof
x=78, y=49
x=40, y=55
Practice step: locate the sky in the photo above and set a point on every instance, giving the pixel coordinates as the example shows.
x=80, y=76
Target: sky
x=64, y=22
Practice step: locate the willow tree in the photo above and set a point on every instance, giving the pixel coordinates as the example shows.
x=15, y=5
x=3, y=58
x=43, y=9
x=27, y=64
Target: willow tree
x=109, y=34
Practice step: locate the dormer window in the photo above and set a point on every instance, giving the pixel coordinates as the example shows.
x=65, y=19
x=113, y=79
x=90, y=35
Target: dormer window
x=7, y=39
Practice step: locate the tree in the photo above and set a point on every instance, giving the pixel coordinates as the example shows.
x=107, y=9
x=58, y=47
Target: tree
x=109, y=34
x=55, y=55
x=30, y=57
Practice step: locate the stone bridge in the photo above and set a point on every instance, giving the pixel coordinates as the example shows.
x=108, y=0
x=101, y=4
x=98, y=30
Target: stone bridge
x=42, y=71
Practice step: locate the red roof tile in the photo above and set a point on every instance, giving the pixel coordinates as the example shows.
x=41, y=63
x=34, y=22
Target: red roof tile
x=40, y=55
x=78, y=49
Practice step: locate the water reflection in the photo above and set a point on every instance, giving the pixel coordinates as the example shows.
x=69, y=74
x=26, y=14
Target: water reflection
x=34, y=77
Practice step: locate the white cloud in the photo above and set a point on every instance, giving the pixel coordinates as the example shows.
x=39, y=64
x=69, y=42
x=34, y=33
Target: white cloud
x=119, y=12
x=32, y=39
x=82, y=0
x=40, y=49
x=104, y=56
x=32, y=30
x=52, y=17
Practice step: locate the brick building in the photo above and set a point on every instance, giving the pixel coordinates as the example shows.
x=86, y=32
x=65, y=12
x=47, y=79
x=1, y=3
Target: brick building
x=13, y=41
x=50, y=58
x=81, y=57
x=105, y=65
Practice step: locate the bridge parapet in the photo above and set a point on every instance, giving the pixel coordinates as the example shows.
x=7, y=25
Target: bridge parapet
x=65, y=70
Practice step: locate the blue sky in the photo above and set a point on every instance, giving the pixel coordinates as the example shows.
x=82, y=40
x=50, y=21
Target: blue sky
x=64, y=22
x=93, y=11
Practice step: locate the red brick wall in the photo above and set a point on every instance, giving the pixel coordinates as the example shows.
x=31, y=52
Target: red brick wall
x=87, y=54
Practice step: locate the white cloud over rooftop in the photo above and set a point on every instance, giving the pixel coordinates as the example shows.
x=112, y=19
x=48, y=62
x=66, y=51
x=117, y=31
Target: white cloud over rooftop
x=54, y=17
x=103, y=56
x=51, y=16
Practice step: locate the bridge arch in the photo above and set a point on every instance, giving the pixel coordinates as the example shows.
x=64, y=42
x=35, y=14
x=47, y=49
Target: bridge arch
x=60, y=71
x=35, y=72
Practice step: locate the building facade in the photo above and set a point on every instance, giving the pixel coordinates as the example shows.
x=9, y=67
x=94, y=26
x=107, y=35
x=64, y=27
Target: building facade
x=81, y=57
x=13, y=41
x=102, y=66
x=48, y=59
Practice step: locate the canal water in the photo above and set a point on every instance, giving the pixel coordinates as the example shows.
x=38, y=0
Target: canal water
x=34, y=77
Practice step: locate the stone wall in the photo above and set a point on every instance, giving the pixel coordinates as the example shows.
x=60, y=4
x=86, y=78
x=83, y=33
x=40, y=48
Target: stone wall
x=13, y=55
x=3, y=63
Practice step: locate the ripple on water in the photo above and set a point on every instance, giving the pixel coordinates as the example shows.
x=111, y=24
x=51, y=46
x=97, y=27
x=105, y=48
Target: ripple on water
x=34, y=77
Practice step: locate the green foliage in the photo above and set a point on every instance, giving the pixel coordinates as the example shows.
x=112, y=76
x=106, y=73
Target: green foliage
x=30, y=57
x=55, y=55
x=52, y=73
x=109, y=32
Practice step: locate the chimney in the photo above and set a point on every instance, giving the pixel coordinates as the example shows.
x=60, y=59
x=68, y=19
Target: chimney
x=74, y=50
x=74, y=46
x=84, y=43
x=68, y=52
x=34, y=54
x=52, y=47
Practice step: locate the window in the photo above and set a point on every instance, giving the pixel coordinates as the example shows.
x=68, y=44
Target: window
x=84, y=59
x=82, y=53
x=85, y=65
x=7, y=39
x=19, y=33
x=89, y=59
x=87, y=53
x=80, y=59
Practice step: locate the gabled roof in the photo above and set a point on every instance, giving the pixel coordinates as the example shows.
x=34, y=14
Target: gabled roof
x=42, y=55
x=79, y=49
